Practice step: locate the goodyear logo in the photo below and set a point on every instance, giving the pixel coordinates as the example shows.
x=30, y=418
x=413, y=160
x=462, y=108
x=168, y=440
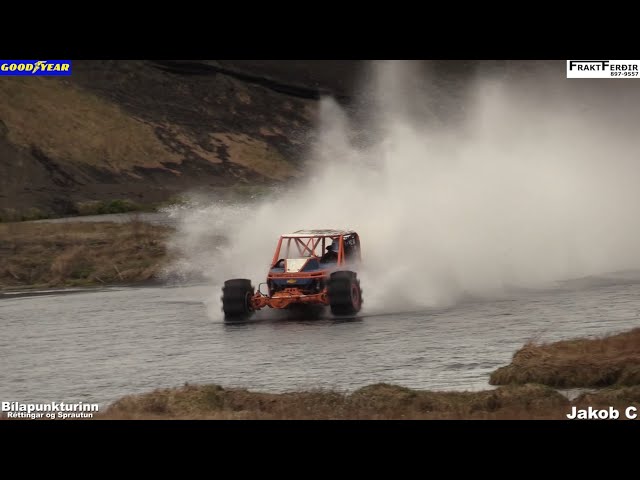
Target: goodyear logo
x=35, y=67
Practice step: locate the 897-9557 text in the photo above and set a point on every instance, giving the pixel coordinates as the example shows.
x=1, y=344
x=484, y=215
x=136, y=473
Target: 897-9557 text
x=624, y=74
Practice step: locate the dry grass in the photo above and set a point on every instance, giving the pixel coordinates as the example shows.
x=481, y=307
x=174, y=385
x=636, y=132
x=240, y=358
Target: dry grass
x=376, y=402
x=598, y=362
x=186, y=140
x=82, y=253
x=255, y=155
x=617, y=397
x=72, y=125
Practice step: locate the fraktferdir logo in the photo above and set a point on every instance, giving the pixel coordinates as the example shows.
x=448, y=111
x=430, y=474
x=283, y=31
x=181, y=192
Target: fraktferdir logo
x=603, y=68
x=56, y=68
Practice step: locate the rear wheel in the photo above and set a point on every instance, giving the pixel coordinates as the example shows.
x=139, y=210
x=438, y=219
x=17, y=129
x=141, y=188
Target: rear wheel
x=345, y=294
x=236, y=298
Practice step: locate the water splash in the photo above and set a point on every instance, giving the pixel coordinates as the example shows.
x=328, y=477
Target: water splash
x=535, y=182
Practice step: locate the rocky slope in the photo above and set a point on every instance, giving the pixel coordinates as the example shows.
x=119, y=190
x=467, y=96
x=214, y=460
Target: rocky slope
x=145, y=131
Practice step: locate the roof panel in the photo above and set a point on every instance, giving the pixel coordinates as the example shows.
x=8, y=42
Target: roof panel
x=321, y=233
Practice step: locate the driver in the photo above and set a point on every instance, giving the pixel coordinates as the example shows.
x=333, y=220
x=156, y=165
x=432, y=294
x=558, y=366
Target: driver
x=332, y=253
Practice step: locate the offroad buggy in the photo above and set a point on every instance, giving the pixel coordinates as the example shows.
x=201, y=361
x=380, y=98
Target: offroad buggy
x=309, y=267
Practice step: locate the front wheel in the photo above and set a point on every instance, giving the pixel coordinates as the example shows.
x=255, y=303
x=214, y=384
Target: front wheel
x=236, y=299
x=345, y=294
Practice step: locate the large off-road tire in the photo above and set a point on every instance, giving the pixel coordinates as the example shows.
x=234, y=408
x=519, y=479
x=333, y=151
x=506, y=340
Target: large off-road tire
x=236, y=298
x=345, y=294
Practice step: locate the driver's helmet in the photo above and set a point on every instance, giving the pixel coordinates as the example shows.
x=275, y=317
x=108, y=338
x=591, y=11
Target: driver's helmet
x=334, y=247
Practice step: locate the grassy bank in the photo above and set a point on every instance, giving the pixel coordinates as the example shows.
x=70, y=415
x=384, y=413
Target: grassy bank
x=231, y=194
x=381, y=401
x=374, y=402
x=47, y=255
x=600, y=362
x=98, y=207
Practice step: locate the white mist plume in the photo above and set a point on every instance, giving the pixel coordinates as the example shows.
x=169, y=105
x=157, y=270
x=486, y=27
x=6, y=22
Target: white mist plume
x=536, y=183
